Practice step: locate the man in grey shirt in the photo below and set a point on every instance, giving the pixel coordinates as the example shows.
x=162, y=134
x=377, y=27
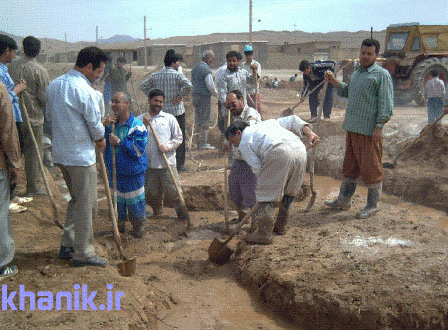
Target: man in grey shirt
x=74, y=114
x=203, y=88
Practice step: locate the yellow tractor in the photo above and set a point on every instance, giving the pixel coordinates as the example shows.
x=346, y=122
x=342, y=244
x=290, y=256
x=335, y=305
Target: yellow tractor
x=411, y=52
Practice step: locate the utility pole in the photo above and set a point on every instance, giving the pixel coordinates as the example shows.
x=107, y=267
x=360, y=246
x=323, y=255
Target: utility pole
x=66, y=48
x=97, y=35
x=250, y=22
x=144, y=36
x=371, y=32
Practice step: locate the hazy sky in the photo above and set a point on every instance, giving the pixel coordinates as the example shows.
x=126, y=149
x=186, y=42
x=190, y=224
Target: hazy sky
x=166, y=18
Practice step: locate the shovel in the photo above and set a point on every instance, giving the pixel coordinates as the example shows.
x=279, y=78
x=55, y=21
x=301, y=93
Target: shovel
x=218, y=251
x=394, y=164
x=127, y=266
x=313, y=150
x=290, y=111
x=41, y=166
x=179, y=191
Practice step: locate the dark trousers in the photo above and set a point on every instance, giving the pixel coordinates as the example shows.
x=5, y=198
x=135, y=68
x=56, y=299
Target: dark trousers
x=180, y=151
x=314, y=100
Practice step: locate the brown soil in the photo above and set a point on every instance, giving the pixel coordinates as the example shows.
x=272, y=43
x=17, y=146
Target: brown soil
x=330, y=271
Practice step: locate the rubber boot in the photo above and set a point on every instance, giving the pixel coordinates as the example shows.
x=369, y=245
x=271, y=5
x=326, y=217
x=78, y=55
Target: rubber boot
x=343, y=202
x=138, y=225
x=181, y=212
x=264, y=222
x=122, y=226
x=282, y=216
x=373, y=198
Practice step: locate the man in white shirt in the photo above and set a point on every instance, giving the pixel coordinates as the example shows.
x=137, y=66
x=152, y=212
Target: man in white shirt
x=158, y=179
x=434, y=93
x=72, y=109
x=252, y=95
x=242, y=181
x=277, y=157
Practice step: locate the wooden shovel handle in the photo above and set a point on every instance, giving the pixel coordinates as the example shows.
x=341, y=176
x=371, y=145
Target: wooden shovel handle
x=242, y=223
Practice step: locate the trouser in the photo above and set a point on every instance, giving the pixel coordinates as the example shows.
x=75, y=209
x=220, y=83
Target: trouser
x=282, y=172
x=159, y=184
x=203, y=110
x=363, y=158
x=180, y=151
x=31, y=157
x=7, y=246
x=242, y=184
x=435, y=109
x=314, y=100
x=81, y=182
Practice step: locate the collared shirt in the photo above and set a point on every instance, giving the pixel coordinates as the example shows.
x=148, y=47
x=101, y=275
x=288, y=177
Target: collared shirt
x=231, y=80
x=74, y=114
x=435, y=87
x=370, y=99
x=251, y=86
x=131, y=156
x=6, y=79
x=251, y=116
x=258, y=140
x=173, y=84
x=169, y=134
x=37, y=80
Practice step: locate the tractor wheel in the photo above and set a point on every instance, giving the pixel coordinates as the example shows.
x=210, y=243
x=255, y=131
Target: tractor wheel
x=421, y=74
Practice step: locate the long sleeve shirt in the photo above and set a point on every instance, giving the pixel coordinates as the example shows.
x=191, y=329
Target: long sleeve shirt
x=258, y=140
x=251, y=116
x=37, y=80
x=9, y=140
x=231, y=80
x=74, y=113
x=435, y=87
x=169, y=134
x=251, y=86
x=370, y=99
x=118, y=78
x=6, y=79
x=173, y=84
x=130, y=155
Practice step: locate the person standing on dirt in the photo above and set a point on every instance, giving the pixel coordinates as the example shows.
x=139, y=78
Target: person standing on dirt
x=118, y=77
x=370, y=103
x=33, y=98
x=75, y=118
x=174, y=85
x=277, y=157
x=203, y=89
x=231, y=79
x=9, y=176
x=129, y=141
x=242, y=181
x=252, y=95
x=158, y=181
x=434, y=94
x=313, y=75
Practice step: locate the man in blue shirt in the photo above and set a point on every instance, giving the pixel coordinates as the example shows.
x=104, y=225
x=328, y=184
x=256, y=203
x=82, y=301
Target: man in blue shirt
x=129, y=140
x=74, y=113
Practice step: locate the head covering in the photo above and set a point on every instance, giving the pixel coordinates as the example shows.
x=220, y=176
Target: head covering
x=248, y=50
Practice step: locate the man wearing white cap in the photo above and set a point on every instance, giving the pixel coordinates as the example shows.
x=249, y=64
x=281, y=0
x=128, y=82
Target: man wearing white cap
x=252, y=95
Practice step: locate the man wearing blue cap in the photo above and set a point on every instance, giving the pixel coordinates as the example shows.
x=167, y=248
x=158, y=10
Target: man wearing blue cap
x=252, y=95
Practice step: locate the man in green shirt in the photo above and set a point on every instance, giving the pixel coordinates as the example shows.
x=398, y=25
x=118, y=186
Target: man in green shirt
x=370, y=103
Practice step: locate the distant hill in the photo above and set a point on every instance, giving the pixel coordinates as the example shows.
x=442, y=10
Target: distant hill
x=117, y=39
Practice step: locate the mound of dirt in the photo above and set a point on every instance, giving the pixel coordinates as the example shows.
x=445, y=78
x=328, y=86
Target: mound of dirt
x=430, y=149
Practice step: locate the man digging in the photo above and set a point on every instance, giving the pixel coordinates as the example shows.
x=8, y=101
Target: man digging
x=278, y=157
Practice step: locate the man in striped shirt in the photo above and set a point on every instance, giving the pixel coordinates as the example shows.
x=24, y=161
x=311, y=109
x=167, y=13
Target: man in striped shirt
x=174, y=85
x=370, y=104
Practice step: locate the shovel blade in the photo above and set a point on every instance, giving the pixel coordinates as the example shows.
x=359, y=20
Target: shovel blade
x=218, y=252
x=127, y=267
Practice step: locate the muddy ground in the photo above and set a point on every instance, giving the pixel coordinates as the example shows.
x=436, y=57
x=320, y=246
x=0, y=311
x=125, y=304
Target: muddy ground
x=330, y=271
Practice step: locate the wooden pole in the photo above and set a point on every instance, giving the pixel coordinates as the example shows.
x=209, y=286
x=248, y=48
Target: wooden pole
x=250, y=22
x=144, y=34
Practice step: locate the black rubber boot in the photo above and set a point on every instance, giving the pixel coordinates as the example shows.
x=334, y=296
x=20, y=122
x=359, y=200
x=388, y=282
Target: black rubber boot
x=282, y=216
x=373, y=199
x=343, y=202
